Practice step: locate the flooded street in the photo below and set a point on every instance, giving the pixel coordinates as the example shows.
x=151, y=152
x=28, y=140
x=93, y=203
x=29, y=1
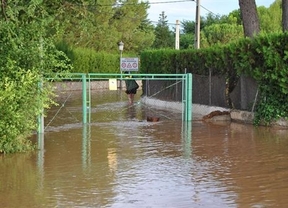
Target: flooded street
x=121, y=160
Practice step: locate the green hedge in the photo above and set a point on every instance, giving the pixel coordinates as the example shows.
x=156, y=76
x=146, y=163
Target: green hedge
x=89, y=61
x=85, y=60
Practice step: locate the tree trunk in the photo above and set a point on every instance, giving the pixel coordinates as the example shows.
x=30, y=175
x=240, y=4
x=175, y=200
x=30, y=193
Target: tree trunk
x=249, y=17
x=284, y=15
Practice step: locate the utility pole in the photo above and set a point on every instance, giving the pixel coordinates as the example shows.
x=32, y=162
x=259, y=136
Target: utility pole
x=177, y=35
x=197, y=25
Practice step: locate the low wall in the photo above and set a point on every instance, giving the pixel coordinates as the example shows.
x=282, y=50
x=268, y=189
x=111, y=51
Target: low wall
x=94, y=85
x=177, y=106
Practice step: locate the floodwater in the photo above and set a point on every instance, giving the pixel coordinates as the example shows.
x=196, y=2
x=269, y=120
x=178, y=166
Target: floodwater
x=121, y=160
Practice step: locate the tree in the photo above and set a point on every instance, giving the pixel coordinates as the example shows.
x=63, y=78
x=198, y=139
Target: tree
x=220, y=34
x=235, y=16
x=215, y=29
x=102, y=24
x=249, y=17
x=187, y=41
x=84, y=24
x=164, y=37
x=221, y=29
x=132, y=25
x=270, y=18
x=189, y=26
x=284, y=15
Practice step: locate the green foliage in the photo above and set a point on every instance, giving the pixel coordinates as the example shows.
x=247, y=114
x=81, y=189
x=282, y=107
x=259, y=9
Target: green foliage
x=26, y=54
x=132, y=25
x=89, y=61
x=271, y=72
x=175, y=61
x=215, y=29
x=156, y=61
x=210, y=19
x=272, y=106
x=101, y=24
x=188, y=27
x=18, y=110
x=271, y=18
x=220, y=34
x=187, y=41
x=164, y=38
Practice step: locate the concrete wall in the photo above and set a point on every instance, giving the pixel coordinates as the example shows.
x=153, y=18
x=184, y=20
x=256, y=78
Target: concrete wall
x=94, y=85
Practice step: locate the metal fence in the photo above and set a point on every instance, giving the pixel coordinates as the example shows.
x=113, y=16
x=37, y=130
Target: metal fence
x=217, y=91
x=161, y=93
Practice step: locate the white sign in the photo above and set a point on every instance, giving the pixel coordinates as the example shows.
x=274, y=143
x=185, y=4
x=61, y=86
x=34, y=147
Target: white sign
x=112, y=84
x=129, y=64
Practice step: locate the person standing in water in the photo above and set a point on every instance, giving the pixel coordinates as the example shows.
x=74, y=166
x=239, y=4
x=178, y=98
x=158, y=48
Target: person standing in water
x=131, y=88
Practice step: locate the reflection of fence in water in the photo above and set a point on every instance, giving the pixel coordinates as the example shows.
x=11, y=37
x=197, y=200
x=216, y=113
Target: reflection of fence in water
x=108, y=106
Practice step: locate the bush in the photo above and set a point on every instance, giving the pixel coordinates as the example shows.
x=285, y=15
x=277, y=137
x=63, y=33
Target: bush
x=26, y=55
x=88, y=61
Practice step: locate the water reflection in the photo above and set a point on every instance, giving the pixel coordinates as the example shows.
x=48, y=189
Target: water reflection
x=131, y=112
x=86, y=146
x=121, y=160
x=186, y=138
x=40, y=159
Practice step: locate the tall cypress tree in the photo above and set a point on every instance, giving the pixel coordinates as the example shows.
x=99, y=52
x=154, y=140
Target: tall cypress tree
x=164, y=37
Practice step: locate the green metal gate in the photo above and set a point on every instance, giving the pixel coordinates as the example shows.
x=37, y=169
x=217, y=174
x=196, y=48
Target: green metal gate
x=185, y=80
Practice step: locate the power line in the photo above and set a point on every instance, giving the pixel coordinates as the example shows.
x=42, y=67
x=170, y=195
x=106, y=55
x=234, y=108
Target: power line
x=207, y=9
x=149, y=3
x=177, y=1
x=168, y=2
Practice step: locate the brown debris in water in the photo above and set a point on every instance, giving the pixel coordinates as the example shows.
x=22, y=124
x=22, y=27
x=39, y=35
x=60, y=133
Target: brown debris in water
x=216, y=113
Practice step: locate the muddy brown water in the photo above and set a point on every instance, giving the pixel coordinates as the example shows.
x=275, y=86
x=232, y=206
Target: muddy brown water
x=121, y=160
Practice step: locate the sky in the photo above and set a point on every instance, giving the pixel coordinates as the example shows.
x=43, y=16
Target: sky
x=186, y=9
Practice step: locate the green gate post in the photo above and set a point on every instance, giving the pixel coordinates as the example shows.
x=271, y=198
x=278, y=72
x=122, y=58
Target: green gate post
x=84, y=98
x=188, y=104
x=40, y=116
x=41, y=123
x=89, y=99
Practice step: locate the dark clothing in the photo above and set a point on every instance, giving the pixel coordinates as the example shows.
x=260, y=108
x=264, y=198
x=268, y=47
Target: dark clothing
x=131, y=86
x=133, y=91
